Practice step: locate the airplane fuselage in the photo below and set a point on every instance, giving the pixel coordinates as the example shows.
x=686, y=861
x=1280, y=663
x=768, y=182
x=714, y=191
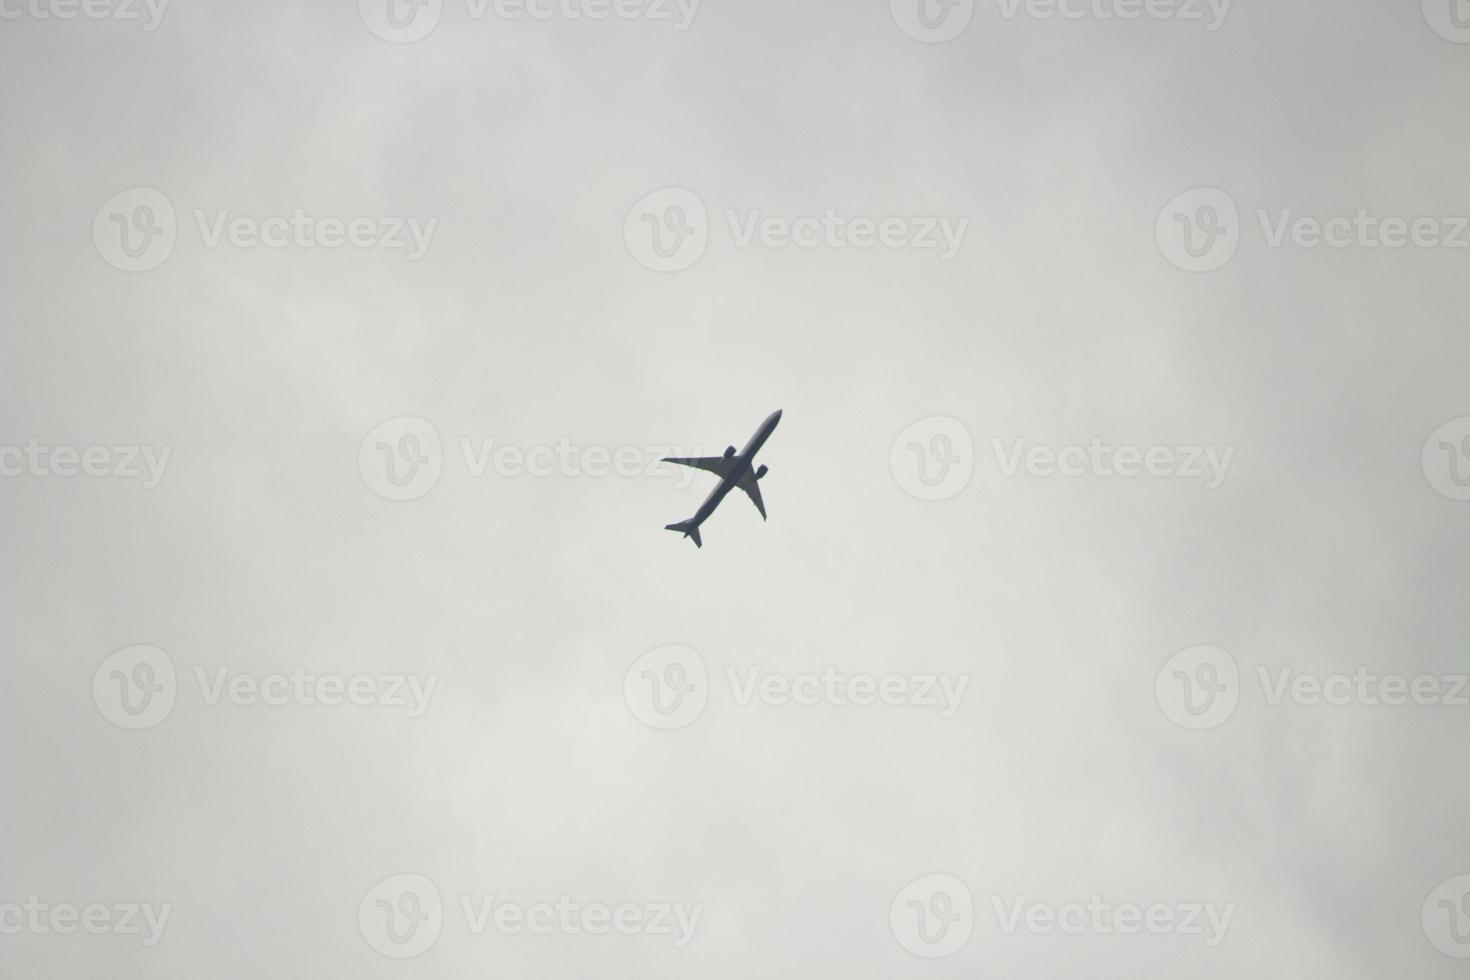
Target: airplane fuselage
x=740, y=469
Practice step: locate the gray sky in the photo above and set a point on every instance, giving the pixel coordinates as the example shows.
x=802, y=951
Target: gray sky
x=1166, y=256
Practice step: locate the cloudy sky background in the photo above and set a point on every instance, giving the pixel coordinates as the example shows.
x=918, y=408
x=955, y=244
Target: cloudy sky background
x=530, y=321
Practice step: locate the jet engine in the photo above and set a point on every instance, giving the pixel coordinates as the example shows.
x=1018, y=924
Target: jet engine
x=761, y=471
x=729, y=451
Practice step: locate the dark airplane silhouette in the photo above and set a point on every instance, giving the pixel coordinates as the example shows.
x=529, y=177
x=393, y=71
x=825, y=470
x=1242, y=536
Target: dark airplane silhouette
x=734, y=470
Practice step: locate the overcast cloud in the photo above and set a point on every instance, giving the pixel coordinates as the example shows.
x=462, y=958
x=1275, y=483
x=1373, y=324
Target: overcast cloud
x=1109, y=620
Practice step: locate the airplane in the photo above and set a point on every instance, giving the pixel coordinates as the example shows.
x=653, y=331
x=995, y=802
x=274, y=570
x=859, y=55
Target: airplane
x=734, y=470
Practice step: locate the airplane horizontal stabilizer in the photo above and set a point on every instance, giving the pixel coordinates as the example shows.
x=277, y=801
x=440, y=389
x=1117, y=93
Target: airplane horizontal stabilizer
x=689, y=529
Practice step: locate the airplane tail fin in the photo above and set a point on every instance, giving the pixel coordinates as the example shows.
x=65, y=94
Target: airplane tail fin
x=689, y=529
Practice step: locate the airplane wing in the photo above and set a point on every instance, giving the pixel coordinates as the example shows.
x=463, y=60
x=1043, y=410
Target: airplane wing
x=753, y=489
x=715, y=464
